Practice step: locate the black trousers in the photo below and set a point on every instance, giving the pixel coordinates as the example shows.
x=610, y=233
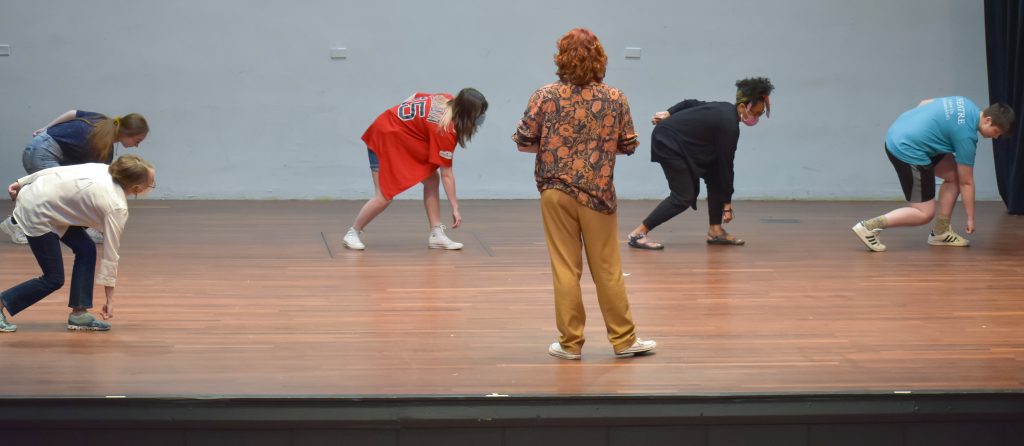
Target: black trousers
x=684, y=187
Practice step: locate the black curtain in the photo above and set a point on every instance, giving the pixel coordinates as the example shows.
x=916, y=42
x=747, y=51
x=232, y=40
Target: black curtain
x=1004, y=38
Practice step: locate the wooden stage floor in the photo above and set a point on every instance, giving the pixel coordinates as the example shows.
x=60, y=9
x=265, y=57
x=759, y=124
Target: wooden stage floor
x=232, y=298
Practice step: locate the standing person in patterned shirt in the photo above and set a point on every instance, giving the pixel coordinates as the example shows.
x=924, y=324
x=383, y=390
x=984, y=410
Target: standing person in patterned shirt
x=408, y=144
x=576, y=127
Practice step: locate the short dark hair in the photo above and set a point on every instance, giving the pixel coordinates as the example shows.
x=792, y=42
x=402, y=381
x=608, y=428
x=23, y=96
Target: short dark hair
x=1002, y=116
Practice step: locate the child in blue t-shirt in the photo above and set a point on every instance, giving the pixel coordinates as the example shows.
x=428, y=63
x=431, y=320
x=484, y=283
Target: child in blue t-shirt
x=938, y=138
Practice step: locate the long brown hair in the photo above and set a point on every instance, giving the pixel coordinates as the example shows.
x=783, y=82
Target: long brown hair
x=467, y=106
x=106, y=131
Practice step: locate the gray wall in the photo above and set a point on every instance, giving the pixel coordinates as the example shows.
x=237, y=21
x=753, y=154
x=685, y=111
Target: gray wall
x=244, y=101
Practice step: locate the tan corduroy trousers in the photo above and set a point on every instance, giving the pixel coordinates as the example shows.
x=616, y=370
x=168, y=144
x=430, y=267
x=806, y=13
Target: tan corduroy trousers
x=570, y=228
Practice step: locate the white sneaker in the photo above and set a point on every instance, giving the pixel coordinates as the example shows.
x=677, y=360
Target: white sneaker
x=556, y=350
x=18, y=236
x=640, y=347
x=352, y=241
x=96, y=236
x=948, y=238
x=869, y=237
x=441, y=241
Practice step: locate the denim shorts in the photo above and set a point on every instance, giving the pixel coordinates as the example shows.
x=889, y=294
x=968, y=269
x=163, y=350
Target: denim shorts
x=41, y=153
x=374, y=162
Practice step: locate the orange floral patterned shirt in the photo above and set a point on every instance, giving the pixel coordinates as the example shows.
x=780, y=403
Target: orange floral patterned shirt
x=579, y=129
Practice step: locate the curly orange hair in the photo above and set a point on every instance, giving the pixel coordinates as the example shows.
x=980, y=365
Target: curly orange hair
x=581, y=58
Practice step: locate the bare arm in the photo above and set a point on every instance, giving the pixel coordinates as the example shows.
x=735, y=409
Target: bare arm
x=534, y=148
x=448, y=181
x=65, y=117
x=966, y=176
x=924, y=102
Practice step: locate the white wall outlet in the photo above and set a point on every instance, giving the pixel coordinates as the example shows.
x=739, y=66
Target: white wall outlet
x=5, y=50
x=633, y=53
x=339, y=53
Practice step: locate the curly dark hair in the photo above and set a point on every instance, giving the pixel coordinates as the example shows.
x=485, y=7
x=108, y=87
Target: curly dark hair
x=753, y=89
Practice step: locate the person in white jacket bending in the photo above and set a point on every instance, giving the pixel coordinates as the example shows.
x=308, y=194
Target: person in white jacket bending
x=56, y=205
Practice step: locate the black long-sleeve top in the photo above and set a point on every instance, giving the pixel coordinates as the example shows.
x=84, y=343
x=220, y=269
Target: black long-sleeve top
x=704, y=134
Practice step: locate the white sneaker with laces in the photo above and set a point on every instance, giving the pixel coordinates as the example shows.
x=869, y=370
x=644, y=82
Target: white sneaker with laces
x=869, y=237
x=352, y=241
x=640, y=347
x=438, y=239
x=556, y=350
x=18, y=236
x=948, y=238
x=96, y=236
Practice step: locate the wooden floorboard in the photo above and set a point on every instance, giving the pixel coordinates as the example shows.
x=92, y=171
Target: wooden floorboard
x=259, y=298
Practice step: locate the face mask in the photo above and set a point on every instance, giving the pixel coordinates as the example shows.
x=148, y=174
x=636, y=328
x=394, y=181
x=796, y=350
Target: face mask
x=480, y=120
x=751, y=118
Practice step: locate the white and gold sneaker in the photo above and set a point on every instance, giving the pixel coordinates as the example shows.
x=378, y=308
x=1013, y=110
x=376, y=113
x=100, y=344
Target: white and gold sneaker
x=948, y=238
x=869, y=237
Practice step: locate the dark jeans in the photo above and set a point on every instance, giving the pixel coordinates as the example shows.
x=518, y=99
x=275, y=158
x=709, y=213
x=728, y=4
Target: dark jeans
x=48, y=253
x=684, y=189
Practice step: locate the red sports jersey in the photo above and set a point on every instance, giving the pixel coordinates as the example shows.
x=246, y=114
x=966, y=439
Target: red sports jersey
x=409, y=143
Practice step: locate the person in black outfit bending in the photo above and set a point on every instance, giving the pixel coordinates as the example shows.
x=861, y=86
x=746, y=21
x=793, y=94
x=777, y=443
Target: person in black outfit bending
x=696, y=139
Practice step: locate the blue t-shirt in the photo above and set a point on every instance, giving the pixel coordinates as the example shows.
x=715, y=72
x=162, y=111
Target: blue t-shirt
x=944, y=125
x=73, y=138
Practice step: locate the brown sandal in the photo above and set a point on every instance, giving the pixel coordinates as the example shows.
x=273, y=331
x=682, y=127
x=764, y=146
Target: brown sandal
x=725, y=239
x=634, y=241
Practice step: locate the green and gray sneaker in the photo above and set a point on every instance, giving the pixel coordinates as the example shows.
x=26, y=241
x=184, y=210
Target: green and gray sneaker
x=86, y=321
x=6, y=327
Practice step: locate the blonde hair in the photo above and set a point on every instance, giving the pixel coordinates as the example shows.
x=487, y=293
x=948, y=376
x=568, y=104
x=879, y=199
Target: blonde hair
x=130, y=170
x=106, y=131
x=444, y=125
